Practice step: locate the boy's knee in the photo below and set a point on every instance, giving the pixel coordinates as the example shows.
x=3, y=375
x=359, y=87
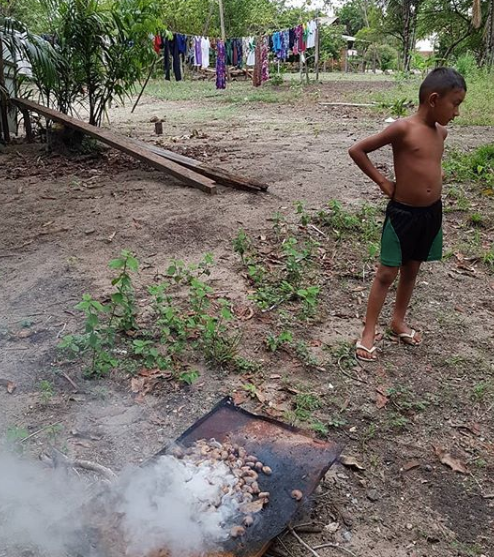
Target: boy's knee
x=386, y=275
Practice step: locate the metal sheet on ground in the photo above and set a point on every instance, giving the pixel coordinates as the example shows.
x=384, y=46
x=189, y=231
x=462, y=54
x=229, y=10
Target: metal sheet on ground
x=297, y=460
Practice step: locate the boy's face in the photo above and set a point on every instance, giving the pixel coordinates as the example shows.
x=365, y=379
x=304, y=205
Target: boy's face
x=447, y=107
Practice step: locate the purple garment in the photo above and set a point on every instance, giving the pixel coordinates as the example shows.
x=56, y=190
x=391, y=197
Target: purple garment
x=264, y=59
x=220, y=65
x=197, y=51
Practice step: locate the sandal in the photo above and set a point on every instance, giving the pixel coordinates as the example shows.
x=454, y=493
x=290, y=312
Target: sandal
x=408, y=338
x=370, y=351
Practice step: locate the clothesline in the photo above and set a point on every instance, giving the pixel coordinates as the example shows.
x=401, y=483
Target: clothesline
x=216, y=38
x=250, y=51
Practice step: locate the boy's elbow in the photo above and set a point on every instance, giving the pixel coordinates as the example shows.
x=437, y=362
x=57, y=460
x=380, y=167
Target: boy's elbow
x=353, y=152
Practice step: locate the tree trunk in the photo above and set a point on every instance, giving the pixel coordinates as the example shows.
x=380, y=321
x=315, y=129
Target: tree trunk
x=489, y=38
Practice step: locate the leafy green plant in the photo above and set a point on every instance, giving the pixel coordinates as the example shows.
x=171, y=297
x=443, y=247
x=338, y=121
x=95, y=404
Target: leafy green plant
x=474, y=166
x=275, y=342
x=123, y=304
x=102, y=51
x=102, y=322
x=302, y=213
x=46, y=391
x=242, y=244
x=189, y=377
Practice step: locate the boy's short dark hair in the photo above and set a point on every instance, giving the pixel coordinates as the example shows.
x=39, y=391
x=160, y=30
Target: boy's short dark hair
x=441, y=80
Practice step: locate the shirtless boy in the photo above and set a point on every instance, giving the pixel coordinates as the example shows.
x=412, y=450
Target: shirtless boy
x=412, y=228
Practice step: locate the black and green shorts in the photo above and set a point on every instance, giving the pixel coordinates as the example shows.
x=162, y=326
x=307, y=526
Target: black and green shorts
x=411, y=233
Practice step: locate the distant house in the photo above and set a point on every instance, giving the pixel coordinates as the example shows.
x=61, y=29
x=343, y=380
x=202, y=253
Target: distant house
x=425, y=47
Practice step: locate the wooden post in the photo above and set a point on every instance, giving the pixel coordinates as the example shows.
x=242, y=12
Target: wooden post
x=3, y=100
x=223, y=34
x=318, y=49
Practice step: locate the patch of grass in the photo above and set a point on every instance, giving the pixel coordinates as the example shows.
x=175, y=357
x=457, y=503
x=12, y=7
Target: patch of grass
x=238, y=92
x=475, y=111
x=475, y=166
x=482, y=391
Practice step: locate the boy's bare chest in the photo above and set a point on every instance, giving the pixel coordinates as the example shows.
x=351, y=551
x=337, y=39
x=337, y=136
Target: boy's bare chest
x=423, y=145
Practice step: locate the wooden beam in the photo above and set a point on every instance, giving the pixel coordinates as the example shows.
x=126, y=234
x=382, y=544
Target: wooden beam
x=125, y=145
x=219, y=175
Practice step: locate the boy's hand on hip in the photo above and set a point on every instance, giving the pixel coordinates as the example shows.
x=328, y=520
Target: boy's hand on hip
x=388, y=188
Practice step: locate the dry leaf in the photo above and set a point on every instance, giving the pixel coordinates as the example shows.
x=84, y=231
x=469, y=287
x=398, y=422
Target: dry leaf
x=136, y=384
x=445, y=458
x=381, y=400
x=275, y=376
x=260, y=397
x=411, y=465
x=25, y=333
x=11, y=387
x=239, y=398
x=351, y=462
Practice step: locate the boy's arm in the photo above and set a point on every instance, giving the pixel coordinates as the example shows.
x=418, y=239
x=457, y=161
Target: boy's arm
x=359, y=151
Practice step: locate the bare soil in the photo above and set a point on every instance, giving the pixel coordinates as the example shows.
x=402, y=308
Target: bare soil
x=64, y=217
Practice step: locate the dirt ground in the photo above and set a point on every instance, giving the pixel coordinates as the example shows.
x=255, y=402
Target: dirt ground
x=64, y=218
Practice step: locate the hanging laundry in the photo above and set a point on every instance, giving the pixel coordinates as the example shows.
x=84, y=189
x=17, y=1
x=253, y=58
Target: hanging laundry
x=277, y=44
x=238, y=50
x=250, y=51
x=171, y=48
x=220, y=65
x=197, y=51
x=205, y=46
x=291, y=40
x=229, y=52
x=157, y=44
x=257, y=74
x=181, y=43
x=311, y=35
x=285, y=44
x=300, y=36
x=265, y=59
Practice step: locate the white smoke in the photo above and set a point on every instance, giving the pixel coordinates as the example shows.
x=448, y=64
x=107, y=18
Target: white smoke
x=38, y=507
x=176, y=505
x=171, y=504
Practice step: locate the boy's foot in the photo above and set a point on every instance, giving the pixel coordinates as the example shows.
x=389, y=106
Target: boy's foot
x=407, y=336
x=365, y=353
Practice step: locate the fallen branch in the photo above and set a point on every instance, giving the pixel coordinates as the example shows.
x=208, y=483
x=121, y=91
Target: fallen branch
x=57, y=459
x=71, y=381
x=39, y=431
x=317, y=230
x=301, y=541
x=336, y=546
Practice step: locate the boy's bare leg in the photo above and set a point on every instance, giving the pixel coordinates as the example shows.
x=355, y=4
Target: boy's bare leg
x=406, y=284
x=382, y=281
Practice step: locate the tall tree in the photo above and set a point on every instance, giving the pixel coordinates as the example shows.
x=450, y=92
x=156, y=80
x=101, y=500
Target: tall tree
x=401, y=22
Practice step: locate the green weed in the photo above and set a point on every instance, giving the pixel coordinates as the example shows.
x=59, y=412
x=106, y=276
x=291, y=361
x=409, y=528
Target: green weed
x=275, y=342
x=474, y=166
x=47, y=391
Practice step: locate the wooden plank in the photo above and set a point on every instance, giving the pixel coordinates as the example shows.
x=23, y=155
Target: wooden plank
x=125, y=145
x=219, y=175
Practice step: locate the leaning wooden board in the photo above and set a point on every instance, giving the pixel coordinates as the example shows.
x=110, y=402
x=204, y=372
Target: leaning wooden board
x=125, y=145
x=219, y=175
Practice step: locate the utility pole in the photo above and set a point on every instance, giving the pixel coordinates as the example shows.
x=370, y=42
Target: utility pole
x=223, y=33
